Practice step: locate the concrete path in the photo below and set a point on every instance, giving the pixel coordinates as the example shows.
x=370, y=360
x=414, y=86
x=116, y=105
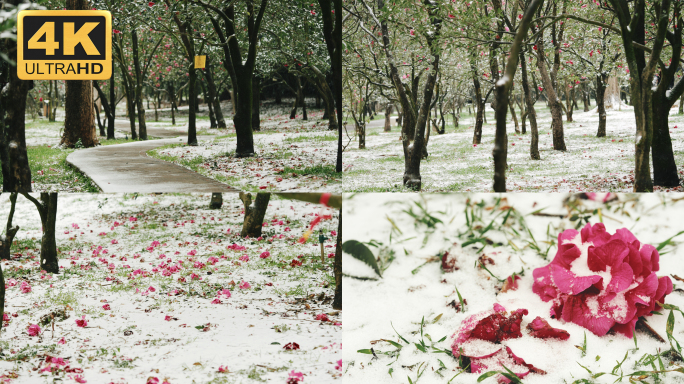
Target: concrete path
x=127, y=168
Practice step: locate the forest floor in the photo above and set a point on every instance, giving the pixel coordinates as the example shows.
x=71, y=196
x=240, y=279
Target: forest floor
x=169, y=290
x=409, y=316
x=292, y=155
x=455, y=164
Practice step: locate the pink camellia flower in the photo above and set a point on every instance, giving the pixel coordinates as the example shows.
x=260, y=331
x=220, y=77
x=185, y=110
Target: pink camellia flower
x=82, y=322
x=25, y=287
x=225, y=292
x=223, y=369
x=291, y=346
x=265, y=254
x=216, y=301
x=167, y=318
x=244, y=258
x=339, y=365
x=322, y=317
x=295, y=377
x=34, y=330
x=152, y=380
x=602, y=281
x=106, y=307
x=79, y=379
x=61, y=341
x=245, y=285
x=479, y=338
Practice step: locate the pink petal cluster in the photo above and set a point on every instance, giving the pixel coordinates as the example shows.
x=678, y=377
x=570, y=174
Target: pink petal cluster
x=601, y=281
x=25, y=287
x=295, y=377
x=82, y=322
x=34, y=330
x=265, y=254
x=480, y=337
x=245, y=285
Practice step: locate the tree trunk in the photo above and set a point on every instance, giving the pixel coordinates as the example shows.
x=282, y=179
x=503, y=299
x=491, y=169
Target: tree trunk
x=79, y=122
x=16, y=173
x=256, y=101
x=664, y=166
x=585, y=97
x=243, y=118
x=570, y=102
x=554, y=104
x=600, y=104
x=213, y=95
x=112, y=107
x=477, y=134
x=514, y=116
x=337, y=302
x=192, y=105
x=142, y=127
x=10, y=230
x=254, y=214
x=388, y=119
x=130, y=106
x=99, y=122
x=48, y=246
x=216, y=201
x=212, y=118
x=531, y=113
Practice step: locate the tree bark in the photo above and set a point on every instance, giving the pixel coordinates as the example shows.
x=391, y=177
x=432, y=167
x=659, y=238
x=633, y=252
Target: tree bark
x=337, y=301
x=479, y=107
x=531, y=113
x=600, y=103
x=142, y=126
x=254, y=213
x=16, y=173
x=216, y=201
x=388, y=117
x=47, y=209
x=79, y=122
x=213, y=95
x=10, y=230
x=256, y=101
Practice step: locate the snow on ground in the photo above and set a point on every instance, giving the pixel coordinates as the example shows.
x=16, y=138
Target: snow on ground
x=455, y=164
x=292, y=155
x=151, y=274
x=414, y=287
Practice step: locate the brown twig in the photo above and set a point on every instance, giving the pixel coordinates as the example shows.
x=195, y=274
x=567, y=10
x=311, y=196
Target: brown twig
x=643, y=325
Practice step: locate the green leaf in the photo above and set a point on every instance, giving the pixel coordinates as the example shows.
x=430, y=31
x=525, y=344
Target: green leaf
x=394, y=343
x=361, y=252
x=486, y=375
x=670, y=324
x=366, y=351
x=666, y=242
x=436, y=319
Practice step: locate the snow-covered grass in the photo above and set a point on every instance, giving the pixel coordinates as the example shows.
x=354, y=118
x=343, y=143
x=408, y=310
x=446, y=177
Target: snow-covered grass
x=455, y=164
x=152, y=274
x=411, y=232
x=291, y=155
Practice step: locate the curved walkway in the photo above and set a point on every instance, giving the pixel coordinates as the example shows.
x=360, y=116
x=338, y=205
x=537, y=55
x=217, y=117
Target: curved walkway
x=127, y=168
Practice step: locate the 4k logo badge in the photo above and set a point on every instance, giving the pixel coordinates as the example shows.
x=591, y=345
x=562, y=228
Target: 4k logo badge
x=64, y=45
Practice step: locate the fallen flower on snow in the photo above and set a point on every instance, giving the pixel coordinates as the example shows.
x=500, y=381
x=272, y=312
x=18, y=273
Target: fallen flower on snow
x=541, y=329
x=339, y=365
x=33, y=330
x=245, y=285
x=601, y=281
x=291, y=346
x=244, y=258
x=152, y=380
x=216, y=301
x=61, y=341
x=295, y=377
x=322, y=317
x=82, y=322
x=479, y=338
x=223, y=369
x=25, y=287
x=225, y=292
x=79, y=379
x=106, y=307
x=265, y=254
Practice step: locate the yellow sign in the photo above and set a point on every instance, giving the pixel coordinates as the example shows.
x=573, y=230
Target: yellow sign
x=64, y=45
x=200, y=62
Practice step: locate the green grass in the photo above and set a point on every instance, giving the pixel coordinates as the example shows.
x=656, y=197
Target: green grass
x=309, y=139
x=318, y=170
x=57, y=175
